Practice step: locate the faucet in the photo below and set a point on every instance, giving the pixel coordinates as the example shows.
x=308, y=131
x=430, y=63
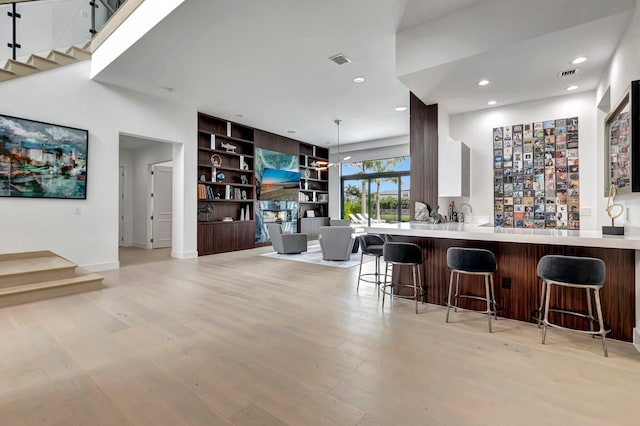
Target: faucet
x=461, y=214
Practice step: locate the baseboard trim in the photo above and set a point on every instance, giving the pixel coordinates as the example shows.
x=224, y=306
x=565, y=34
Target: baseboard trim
x=184, y=254
x=96, y=267
x=636, y=338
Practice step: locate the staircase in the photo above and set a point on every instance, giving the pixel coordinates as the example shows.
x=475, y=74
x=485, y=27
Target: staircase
x=27, y=277
x=35, y=63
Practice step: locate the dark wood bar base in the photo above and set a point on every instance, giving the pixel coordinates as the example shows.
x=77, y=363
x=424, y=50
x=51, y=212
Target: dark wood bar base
x=518, y=261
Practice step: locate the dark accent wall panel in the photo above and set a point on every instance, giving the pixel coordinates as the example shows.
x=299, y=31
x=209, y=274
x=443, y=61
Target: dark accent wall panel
x=275, y=142
x=423, y=141
x=519, y=262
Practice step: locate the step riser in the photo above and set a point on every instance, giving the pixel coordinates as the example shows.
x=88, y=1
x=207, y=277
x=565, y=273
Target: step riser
x=49, y=293
x=38, y=276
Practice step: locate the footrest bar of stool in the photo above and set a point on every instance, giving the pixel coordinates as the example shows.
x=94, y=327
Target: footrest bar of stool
x=594, y=333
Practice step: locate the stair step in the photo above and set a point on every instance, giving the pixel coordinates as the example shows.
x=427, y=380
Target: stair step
x=61, y=58
x=78, y=53
x=34, y=267
x=49, y=289
x=20, y=68
x=42, y=63
x=6, y=75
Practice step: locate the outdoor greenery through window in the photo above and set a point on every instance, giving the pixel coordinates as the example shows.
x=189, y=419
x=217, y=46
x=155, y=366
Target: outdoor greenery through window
x=376, y=190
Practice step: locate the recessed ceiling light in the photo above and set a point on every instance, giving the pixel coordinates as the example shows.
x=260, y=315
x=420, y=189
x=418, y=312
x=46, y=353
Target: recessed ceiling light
x=570, y=88
x=239, y=115
x=168, y=89
x=401, y=108
x=492, y=102
x=579, y=60
x=291, y=131
x=358, y=80
x=347, y=158
x=483, y=82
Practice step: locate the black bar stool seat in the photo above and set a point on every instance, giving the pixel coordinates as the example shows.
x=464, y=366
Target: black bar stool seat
x=578, y=272
x=472, y=261
x=407, y=254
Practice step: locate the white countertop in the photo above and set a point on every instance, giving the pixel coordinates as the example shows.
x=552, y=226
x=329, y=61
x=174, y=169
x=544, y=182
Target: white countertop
x=468, y=231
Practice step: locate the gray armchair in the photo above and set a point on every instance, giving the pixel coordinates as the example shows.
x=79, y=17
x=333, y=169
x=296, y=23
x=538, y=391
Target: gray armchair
x=336, y=242
x=286, y=243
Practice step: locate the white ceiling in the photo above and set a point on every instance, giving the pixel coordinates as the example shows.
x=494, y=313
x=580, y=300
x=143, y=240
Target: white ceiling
x=268, y=61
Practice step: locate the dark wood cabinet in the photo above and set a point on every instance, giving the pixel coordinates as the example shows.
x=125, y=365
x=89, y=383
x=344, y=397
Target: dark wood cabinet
x=220, y=237
x=227, y=183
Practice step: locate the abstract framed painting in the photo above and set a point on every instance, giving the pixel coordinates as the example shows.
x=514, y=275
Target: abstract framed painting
x=622, y=143
x=42, y=160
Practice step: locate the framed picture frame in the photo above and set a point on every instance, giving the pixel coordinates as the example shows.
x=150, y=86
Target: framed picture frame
x=622, y=143
x=42, y=160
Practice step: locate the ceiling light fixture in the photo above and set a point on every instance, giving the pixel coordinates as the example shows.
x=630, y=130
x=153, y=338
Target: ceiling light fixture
x=492, y=102
x=571, y=88
x=358, y=80
x=579, y=60
x=239, y=115
x=401, y=108
x=483, y=82
x=291, y=131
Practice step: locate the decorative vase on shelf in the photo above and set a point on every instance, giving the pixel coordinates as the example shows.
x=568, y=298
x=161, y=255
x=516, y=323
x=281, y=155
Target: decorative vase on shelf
x=247, y=215
x=242, y=214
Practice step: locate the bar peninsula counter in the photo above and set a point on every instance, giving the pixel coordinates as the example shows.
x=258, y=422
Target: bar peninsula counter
x=517, y=252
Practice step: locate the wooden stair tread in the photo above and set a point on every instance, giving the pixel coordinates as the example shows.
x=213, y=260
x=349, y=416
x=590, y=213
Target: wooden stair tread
x=80, y=279
x=35, y=264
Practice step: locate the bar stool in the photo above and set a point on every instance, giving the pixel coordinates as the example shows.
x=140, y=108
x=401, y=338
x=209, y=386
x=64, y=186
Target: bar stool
x=407, y=254
x=472, y=261
x=370, y=245
x=577, y=272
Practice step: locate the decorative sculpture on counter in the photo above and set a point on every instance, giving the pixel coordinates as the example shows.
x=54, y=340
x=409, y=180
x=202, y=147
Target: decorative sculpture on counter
x=425, y=213
x=422, y=211
x=229, y=147
x=435, y=216
x=614, y=211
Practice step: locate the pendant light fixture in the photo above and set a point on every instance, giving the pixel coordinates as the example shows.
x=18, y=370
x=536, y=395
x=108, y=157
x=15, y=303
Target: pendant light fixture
x=323, y=165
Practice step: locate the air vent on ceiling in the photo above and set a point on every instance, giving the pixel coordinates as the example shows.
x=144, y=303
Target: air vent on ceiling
x=340, y=59
x=568, y=73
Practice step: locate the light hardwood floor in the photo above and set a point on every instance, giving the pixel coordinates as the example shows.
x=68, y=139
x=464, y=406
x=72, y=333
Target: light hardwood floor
x=243, y=339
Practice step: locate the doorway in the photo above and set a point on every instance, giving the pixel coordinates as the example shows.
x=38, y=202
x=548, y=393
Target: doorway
x=139, y=157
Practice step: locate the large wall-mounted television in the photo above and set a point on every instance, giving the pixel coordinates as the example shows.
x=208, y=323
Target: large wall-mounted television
x=42, y=160
x=282, y=185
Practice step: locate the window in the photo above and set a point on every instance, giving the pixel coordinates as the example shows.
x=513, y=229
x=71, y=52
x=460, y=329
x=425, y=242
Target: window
x=376, y=190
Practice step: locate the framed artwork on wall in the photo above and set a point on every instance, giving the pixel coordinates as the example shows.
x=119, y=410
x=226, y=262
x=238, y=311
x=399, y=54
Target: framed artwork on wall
x=622, y=143
x=42, y=160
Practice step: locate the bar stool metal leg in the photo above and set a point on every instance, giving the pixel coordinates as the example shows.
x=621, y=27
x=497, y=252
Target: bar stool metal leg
x=590, y=310
x=489, y=313
x=603, y=332
x=449, y=297
x=360, y=270
x=493, y=298
x=545, y=321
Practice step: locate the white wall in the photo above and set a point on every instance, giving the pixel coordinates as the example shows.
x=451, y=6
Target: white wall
x=66, y=96
x=476, y=128
x=624, y=68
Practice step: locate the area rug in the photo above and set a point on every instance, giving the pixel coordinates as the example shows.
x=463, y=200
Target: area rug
x=314, y=255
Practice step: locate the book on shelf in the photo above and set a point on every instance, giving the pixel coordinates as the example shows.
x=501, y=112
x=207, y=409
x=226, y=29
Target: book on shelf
x=227, y=192
x=202, y=193
x=213, y=141
x=237, y=194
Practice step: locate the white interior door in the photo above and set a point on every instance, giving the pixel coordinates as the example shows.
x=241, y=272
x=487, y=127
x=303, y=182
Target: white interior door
x=121, y=208
x=161, y=206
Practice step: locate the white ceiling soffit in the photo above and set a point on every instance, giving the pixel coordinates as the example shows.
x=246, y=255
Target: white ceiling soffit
x=519, y=45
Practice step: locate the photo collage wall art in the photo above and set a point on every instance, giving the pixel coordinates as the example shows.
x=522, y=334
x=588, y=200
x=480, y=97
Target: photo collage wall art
x=536, y=175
